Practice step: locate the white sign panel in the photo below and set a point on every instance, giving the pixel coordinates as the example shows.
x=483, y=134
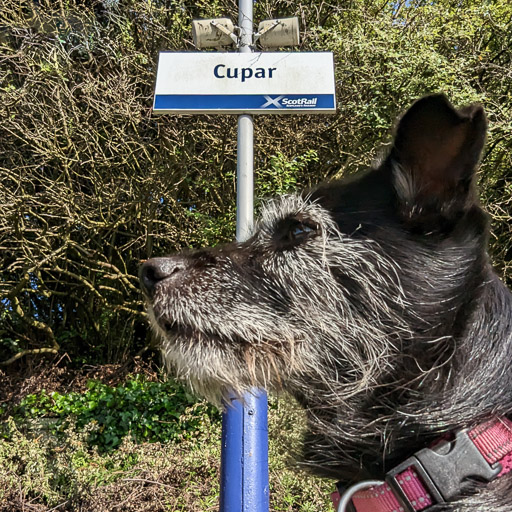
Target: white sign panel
x=252, y=83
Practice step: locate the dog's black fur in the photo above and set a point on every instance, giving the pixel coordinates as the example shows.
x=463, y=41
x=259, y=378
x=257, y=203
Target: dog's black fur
x=372, y=300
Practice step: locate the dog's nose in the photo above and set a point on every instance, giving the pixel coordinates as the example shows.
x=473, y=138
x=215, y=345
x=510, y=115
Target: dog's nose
x=157, y=269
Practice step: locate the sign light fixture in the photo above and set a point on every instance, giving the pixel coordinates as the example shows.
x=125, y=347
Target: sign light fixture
x=278, y=33
x=213, y=33
x=221, y=32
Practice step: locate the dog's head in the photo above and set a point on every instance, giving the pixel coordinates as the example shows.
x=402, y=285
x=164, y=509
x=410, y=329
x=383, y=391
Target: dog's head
x=335, y=282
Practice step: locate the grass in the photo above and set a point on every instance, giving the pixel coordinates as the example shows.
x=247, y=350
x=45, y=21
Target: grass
x=44, y=468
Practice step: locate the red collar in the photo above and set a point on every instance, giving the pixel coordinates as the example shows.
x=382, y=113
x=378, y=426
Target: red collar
x=437, y=474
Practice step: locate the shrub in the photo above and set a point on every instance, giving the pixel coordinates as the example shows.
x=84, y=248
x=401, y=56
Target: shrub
x=144, y=410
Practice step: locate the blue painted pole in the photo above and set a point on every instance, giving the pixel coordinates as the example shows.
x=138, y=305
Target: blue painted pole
x=244, y=483
x=255, y=477
x=231, y=468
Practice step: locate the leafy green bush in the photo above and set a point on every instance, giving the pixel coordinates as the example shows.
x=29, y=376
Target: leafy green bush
x=147, y=411
x=282, y=175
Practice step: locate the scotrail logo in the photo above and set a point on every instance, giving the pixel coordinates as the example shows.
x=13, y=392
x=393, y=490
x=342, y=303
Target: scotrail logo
x=286, y=102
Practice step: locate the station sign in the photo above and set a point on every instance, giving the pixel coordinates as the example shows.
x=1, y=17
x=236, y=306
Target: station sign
x=245, y=83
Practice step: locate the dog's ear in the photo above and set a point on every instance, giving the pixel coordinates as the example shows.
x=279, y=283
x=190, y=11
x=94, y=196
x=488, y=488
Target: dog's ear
x=435, y=153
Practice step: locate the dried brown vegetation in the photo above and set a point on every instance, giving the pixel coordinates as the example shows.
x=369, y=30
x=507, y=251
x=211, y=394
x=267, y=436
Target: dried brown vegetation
x=91, y=182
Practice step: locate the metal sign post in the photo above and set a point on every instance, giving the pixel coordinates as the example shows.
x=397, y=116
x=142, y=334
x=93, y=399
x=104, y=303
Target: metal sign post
x=245, y=83
x=244, y=456
x=245, y=140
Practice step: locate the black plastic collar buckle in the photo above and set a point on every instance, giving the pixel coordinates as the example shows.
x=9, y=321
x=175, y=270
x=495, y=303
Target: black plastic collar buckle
x=445, y=470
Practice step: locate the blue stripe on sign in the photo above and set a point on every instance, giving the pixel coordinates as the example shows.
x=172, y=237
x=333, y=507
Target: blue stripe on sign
x=243, y=101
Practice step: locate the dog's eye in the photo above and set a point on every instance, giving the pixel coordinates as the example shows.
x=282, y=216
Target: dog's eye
x=301, y=230
x=293, y=231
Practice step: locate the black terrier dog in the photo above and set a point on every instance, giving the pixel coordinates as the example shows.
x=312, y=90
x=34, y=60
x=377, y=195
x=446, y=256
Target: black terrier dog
x=372, y=301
